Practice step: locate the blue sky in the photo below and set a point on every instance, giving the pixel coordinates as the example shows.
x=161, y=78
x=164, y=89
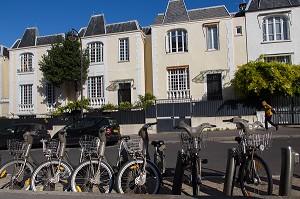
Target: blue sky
x=60, y=16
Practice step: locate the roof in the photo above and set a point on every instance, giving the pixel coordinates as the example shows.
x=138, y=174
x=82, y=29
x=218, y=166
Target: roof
x=176, y=12
x=96, y=26
x=254, y=5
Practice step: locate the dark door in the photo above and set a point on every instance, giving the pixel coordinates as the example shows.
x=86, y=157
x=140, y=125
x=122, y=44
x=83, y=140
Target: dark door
x=124, y=93
x=214, y=87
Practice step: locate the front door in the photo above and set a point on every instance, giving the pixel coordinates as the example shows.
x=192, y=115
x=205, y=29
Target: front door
x=124, y=93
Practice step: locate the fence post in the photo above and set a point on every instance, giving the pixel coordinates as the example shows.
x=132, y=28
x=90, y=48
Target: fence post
x=288, y=159
x=230, y=172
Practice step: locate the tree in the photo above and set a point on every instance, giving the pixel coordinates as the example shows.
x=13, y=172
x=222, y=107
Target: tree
x=62, y=63
x=265, y=79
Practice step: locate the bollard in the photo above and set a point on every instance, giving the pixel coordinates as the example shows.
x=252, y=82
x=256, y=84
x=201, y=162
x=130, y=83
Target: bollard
x=230, y=172
x=288, y=159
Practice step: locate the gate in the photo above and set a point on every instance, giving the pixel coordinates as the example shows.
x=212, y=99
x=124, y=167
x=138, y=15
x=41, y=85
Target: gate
x=169, y=112
x=288, y=110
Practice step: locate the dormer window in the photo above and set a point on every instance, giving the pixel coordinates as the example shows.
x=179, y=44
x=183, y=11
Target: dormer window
x=176, y=41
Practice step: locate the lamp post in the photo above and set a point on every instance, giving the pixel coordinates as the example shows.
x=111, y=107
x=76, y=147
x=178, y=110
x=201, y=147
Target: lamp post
x=74, y=37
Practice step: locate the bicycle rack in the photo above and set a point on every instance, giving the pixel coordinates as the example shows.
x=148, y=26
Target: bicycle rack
x=230, y=170
x=289, y=158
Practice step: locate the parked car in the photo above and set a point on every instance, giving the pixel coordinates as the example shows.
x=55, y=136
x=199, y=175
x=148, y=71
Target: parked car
x=16, y=131
x=90, y=126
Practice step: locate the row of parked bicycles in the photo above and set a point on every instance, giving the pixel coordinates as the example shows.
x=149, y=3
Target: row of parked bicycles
x=134, y=172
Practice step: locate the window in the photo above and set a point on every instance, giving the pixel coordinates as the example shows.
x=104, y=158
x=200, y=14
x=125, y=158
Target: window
x=212, y=37
x=95, y=87
x=239, y=30
x=178, y=82
x=176, y=41
x=26, y=62
x=214, y=87
x=275, y=28
x=124, y=49
x=96, y=52
x=26, y=94
x=284, y=59
x=50, y=94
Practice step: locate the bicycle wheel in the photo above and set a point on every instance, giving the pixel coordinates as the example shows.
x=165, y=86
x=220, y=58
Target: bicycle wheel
x=50, y=177
x=85, y=178
x=255, y=177
x=196, y=174
x=13, y=176
x=132, y=179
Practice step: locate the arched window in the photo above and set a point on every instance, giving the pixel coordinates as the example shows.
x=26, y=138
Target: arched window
x=26, y=64
x=276, y=28
x=96, y=52
x=176, y=41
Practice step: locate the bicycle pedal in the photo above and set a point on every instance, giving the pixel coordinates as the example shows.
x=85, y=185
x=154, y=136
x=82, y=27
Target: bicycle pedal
x=204, y=161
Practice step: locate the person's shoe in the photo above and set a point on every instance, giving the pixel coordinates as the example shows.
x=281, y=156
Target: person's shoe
x=277, y=127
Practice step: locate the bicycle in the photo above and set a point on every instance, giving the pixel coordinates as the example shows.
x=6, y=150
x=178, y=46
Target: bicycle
x=138, y=175
x=159, y=155
x=193, y=141
x=93, y=174
x=254, y=175
x=15, y=174
x=54, y=173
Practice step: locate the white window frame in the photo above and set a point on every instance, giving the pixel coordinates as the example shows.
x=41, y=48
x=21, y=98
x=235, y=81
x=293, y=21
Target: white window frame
x=212, y=37
x=124, y=49
x=95, y=87
x=276, y=28
x=96, y=52
x=178, y=79
x=26, y=62
x=173, y=40
x=26, y=94
x=287, y=59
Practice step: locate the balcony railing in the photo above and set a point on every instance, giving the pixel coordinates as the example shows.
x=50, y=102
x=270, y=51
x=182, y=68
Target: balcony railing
x=25, y=70
x=97, y=102
x=179, y=94
x=51, y=107
x=26, y=107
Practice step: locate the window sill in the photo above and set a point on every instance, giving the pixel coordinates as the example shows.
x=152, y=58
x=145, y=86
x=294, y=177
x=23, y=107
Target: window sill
x=96, y=63
x=278, y=41
x=174, y=53
x=212, y=50
x=124, y=61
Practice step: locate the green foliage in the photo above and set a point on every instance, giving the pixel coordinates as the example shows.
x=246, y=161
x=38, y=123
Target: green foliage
x=125, y=106
x=146, y=100
x=62, y=63
x=109, y=106
x=71, y=106
x=263, y=79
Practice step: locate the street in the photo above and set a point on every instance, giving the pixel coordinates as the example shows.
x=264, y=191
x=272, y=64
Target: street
x=216, y=154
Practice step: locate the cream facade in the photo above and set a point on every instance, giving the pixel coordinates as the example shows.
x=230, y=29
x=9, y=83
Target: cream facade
x=204, y=69
x=4, y=92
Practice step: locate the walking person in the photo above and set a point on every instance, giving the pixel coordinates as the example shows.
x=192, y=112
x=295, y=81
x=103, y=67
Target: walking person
x=268, y=115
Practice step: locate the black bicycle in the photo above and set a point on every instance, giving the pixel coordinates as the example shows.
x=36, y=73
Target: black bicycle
x=193, y=140
x=254, y=175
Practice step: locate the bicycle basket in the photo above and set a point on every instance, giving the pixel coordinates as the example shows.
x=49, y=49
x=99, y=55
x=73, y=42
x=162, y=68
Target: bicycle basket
x=197, y=142
x=258, y=139
x=51, y=146
x=133, y=145
x=89, y=143
x=15, y=146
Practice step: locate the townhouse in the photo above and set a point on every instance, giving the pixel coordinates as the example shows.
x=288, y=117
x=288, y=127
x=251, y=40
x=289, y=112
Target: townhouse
x=184, y=54
x=116, y=72
x=4, y=92
x=272, y=29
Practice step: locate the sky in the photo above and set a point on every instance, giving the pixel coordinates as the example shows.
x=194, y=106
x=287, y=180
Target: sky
x=60, y=16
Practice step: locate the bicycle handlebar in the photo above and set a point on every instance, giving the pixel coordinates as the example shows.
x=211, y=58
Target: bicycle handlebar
x=237, y=120
x=190, y=130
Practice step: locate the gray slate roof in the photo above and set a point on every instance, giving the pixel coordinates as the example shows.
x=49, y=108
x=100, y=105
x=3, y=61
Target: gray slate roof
x=176, y=12
x=271, y=4
x=96, y=26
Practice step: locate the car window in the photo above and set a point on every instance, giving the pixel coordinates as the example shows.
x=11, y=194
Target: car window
x=8, y=131
x=90, y=122
x=38, y=127
x=21, y=129
x=77, y=124
x=113, y=122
